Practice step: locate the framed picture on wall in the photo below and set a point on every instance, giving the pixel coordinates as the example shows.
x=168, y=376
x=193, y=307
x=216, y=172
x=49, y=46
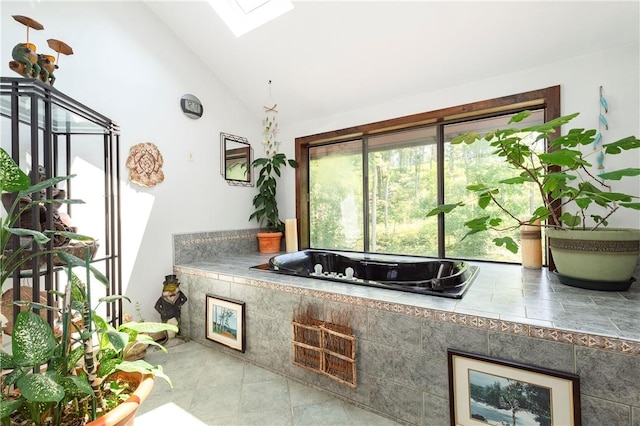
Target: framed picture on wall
x=224, y=321
x=485, y=390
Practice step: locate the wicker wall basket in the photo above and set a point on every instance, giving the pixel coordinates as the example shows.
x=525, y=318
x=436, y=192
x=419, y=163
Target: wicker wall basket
x=327, y=349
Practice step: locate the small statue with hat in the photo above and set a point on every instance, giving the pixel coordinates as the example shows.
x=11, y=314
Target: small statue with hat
x=30, y=64
x=25, y=58
x=170, y=303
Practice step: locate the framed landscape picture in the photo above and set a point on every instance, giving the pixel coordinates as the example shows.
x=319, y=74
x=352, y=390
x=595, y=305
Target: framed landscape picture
x=224, y=321
x=485, y=390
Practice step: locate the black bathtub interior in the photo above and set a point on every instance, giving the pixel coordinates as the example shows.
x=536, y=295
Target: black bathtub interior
x=437, y=277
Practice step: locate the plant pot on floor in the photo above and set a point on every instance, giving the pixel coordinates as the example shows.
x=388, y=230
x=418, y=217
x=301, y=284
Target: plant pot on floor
x=269, y=242
x=595, y=259
x=124, y=414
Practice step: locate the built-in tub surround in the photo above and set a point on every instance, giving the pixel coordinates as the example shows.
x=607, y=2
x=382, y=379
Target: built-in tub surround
x=509, y=312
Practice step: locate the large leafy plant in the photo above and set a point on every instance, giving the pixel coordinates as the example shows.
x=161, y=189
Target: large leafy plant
x=66, y=376
x=562, y=175
x=265, y=203
x=16, y=242
x=50, y=375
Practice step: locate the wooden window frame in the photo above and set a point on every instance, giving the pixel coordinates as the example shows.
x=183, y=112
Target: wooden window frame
x=547, y=98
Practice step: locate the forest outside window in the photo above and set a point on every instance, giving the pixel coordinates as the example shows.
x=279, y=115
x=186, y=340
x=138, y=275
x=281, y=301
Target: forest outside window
x=369, y=188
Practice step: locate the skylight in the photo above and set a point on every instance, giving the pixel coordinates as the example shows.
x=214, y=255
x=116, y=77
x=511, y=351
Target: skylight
x=242, y=16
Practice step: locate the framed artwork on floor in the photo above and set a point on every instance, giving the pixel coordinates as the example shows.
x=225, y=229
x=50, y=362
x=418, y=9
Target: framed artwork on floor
x=485, y=390
x=224, y=321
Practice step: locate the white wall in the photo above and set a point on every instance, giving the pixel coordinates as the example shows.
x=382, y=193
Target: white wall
x=617, y=70
x=129, y=67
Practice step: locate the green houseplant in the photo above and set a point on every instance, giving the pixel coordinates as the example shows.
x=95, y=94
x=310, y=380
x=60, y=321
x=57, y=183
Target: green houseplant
x=65, y=379
x=62, y=377
x=265, y=203
x=577, y=202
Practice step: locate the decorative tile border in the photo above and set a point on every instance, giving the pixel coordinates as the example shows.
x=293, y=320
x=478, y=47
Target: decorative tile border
x=192, y=247
x=613, y=344
x=215, y=239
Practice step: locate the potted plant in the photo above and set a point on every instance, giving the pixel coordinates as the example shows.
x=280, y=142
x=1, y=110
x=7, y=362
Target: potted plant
x=57, y=375
x=265, y=203
x=66, y=379
x=576, y=205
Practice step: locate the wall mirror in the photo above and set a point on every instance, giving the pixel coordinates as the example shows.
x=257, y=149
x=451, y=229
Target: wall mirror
x=235, y=164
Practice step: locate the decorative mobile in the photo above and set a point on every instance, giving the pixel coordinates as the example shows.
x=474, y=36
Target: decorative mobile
x=145, y=165
x=270, y=128
x=602, y=122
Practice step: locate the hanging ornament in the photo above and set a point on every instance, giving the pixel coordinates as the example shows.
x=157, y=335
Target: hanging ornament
x=602, y=122
x=603, y=101
x=270, y=127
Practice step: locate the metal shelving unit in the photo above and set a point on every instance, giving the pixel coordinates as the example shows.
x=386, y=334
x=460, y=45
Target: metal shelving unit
x=41, y=126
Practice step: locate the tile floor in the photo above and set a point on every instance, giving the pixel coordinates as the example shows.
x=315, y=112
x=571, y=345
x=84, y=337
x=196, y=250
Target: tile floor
x=213, y=388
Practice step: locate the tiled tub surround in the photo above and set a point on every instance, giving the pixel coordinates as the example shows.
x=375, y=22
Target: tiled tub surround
x=509, y=312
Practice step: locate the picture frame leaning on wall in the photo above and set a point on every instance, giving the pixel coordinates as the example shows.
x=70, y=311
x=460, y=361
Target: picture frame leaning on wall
x=485, y=390
x=224, y=321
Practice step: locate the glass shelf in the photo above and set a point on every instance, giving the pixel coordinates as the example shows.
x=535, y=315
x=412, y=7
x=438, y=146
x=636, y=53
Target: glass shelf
x=67, y=114
x=44, y=128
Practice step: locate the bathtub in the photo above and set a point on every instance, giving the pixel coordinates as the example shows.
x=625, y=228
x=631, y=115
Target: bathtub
x=438, y=277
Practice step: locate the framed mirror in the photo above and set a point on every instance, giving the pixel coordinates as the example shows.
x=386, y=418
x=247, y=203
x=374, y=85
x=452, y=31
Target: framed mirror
x=235, y=164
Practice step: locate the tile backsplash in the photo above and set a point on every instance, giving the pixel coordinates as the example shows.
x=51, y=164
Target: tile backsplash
x=199, y=246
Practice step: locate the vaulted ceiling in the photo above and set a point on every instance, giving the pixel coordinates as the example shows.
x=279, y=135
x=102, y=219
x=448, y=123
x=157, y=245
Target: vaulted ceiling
x=325, y=57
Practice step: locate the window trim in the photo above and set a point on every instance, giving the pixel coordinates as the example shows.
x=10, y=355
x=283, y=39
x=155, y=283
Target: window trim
x=547, y=98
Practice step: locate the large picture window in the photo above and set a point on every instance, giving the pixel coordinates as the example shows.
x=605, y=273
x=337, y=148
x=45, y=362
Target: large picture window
x=335, y=196
x=465, y=164
x=369, y=188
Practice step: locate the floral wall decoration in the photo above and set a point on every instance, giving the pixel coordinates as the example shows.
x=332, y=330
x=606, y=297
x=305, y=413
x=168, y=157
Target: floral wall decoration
x=145, y=164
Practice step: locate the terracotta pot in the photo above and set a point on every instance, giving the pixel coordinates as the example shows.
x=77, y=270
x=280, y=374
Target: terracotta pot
x=124, y=414
x=269, y=242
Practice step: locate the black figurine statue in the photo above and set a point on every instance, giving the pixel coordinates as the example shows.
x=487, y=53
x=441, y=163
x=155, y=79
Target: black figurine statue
x=171, y=301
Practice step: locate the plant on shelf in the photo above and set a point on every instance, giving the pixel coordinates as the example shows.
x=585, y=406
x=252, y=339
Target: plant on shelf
x=54, y=375
x=265, y=203
x=14, y=181
x=576, y=202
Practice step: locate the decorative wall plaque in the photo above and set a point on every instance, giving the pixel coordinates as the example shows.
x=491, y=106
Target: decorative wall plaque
x=145, y=164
